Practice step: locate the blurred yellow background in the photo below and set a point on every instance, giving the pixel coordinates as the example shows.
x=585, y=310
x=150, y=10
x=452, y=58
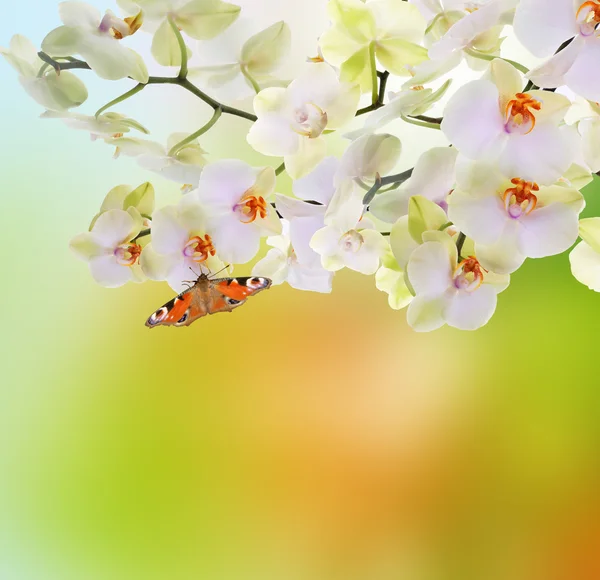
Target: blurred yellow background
x=306, y=436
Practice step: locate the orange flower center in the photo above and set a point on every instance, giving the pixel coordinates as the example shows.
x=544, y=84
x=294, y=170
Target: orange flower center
x=128, y=254
x=520, y=200
x=519, y=116
x=588, y=17
x=468, y=274
x=251, y=207
x=199, y=248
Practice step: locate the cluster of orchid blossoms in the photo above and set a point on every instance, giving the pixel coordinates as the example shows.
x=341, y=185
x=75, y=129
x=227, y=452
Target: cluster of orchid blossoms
x=441, y=239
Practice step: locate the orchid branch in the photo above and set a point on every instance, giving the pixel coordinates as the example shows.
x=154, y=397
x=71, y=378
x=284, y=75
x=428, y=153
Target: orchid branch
x=185, y=83
x=183, y=71
x=489, y=57
x=198, y=133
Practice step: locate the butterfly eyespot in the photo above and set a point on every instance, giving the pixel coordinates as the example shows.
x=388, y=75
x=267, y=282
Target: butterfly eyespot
x=157, y=317
x=183, y=318
x=232, y=302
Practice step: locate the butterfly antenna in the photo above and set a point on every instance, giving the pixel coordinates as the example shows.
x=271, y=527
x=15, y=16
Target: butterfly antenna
x=221, y=270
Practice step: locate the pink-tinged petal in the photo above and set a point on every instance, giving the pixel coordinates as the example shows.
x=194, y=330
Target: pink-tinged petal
x=182, y=271
x=463, y=32
x=223, y=183
x=318, y=184
x=542, y=27
x=583, y=77
x=425, y=313
x=235, y=242
x=107, y=272
x=169, y=236
x=112, y=228
x=430, y=269
x=480, y=218
x=505, y=256
x=585, y=266
x=273, y=135
x=548, y=230
x=551, y=74
x=301, y=232
x=541, y=156
x=79, y=14
x=471, y=310
x=472, y=119
x=291, y=208
x=315, y=279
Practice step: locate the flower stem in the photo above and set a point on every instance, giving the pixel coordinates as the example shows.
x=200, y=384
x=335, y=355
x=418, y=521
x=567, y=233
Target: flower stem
x=183, y=71
x=419, y=123
x=250, y=79
x=460, y=242
x=373, y=64
x=280, y=169
x=139, y=87
x=58, y=66
x=201, y=131
x=185, y=83
x=483, y=56
x=394, y=180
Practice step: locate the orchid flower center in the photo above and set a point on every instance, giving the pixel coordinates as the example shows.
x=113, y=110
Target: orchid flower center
x=588, y=17
x=519, y=116
x=351, y=241
x=199, y=248
x=309, y=120
x=117, y=28
x=468, y=275
x=128, y=253
x=250, y=207
x=520, y=200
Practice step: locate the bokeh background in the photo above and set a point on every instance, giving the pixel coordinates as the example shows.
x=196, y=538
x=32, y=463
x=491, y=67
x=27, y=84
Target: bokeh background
x=307, y=436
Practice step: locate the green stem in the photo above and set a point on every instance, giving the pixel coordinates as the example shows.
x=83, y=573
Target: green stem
x=183, y=71
x=460, y=242
x=420, y=123
x=58, y=66
x=43, y=70
x=374, y=89
x=187, y=85
x=134, y=91
x=201, y=131
x=368, y=198
x=250, y=79
x=280, y=169
x=142, y=234
x=489, y=57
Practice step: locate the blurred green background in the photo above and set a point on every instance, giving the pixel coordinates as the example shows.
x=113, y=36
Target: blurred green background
x=335, y=443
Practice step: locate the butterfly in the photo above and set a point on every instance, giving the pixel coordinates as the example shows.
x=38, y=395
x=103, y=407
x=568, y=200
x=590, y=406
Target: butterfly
x=207, y=296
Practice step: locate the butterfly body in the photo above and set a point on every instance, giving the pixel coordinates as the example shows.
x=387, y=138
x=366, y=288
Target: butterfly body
x=207, y=296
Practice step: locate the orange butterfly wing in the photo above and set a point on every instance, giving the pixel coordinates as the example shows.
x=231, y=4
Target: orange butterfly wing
x=207, y=297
